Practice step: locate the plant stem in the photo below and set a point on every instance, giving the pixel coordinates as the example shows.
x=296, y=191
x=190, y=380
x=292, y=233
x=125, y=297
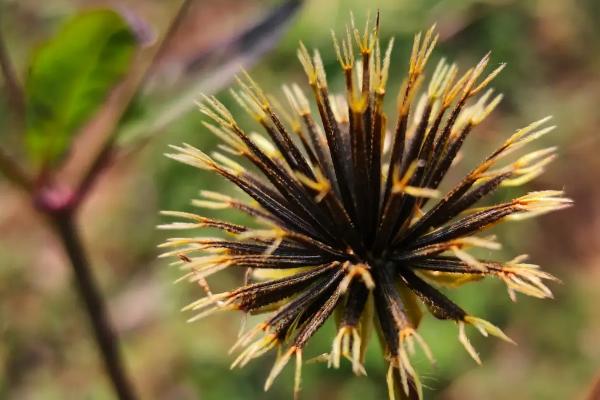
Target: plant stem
x=138, y=78
x=104, y=333
x=62, y=218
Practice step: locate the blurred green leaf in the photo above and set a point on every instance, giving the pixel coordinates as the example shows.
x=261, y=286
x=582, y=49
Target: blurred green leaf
x=69, y=78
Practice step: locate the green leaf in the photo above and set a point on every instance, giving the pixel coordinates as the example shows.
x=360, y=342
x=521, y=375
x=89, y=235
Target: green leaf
x=70, y=77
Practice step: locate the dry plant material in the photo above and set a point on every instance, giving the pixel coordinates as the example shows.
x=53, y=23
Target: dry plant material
x=351, y=221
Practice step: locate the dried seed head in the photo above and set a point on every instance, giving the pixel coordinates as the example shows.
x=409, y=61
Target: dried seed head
x=352, y=217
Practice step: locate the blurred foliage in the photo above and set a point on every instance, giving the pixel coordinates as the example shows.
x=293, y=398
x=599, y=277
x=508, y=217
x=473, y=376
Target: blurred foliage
x=551, y=48
x=70, y=77
x=178, y=76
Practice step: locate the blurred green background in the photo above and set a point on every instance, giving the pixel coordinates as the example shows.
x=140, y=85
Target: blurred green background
x=553, y=53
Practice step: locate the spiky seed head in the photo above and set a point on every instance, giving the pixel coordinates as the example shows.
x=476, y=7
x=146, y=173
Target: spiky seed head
x=353, y=219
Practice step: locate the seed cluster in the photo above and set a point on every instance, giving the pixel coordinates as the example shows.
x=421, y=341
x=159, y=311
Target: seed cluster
x=352, y=221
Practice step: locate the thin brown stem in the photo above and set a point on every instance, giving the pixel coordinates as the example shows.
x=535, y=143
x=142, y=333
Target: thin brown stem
x=104, y=333
x=66, y=229
x=164, y=43
x=138, y=78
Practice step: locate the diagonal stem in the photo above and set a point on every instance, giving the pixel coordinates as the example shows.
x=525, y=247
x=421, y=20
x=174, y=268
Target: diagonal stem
x=137, y=80
x=104, y=332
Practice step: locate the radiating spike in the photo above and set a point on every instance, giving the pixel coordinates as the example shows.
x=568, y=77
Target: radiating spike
x=280, y=363
x=464, y=340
